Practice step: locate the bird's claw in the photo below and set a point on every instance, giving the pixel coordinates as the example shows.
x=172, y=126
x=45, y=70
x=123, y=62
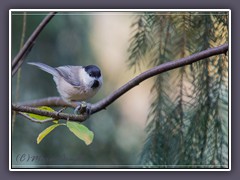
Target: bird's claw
x=83, y=109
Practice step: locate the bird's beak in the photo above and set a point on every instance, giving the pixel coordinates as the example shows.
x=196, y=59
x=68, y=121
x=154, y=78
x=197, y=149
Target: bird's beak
x=95, y=84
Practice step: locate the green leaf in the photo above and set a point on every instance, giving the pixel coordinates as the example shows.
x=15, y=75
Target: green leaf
x=39, y=117
x=81, y=131
x=46, y=132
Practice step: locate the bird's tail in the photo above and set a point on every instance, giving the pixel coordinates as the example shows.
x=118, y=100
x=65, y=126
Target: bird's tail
x=45, y=67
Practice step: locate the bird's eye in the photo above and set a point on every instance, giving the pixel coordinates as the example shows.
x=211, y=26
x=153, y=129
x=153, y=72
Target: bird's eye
x=90, y=74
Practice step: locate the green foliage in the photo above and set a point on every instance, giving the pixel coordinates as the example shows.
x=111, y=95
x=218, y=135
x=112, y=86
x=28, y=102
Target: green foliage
x=39, y=117
x=141, y=40
x=188, y=118
x=79, y=130
x=46, y=131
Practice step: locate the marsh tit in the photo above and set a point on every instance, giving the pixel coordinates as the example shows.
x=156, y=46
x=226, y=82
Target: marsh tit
x=74, y=83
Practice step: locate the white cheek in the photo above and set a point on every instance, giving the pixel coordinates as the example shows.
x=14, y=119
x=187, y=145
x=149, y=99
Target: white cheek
x=85, y=79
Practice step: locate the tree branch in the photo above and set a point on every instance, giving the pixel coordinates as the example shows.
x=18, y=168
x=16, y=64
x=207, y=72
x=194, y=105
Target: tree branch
x=119, y=92
x=55, y=115
x=19, y=58
x=155, y=71
x=49, y=101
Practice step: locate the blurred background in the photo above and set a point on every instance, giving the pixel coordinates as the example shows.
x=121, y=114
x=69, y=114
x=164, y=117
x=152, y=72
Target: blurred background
x=80, y=39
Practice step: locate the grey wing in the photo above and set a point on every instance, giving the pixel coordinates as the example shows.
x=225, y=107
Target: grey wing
x=70, y=74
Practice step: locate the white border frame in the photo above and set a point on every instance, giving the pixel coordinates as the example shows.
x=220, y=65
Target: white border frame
x=115, y=10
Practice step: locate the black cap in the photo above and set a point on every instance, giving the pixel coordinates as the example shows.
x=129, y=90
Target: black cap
x=93, y=71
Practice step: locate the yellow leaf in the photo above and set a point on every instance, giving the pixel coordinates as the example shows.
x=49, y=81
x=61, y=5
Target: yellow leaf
x=81, y=131
x=46, y=132
x=39, y=117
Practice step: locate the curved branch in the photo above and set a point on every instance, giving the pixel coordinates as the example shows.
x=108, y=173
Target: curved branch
x=129, y=85
x=19, y=58
x=155, y=71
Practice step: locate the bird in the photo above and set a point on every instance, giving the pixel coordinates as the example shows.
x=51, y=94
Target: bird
x=74, y=83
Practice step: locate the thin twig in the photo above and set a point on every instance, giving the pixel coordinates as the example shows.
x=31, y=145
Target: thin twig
x=54, y=114
x=129, y=85
x=41, y=121
x=19, y=58
x=24, y=24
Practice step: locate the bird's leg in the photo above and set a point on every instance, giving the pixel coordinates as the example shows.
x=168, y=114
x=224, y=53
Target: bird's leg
x=83, y=108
